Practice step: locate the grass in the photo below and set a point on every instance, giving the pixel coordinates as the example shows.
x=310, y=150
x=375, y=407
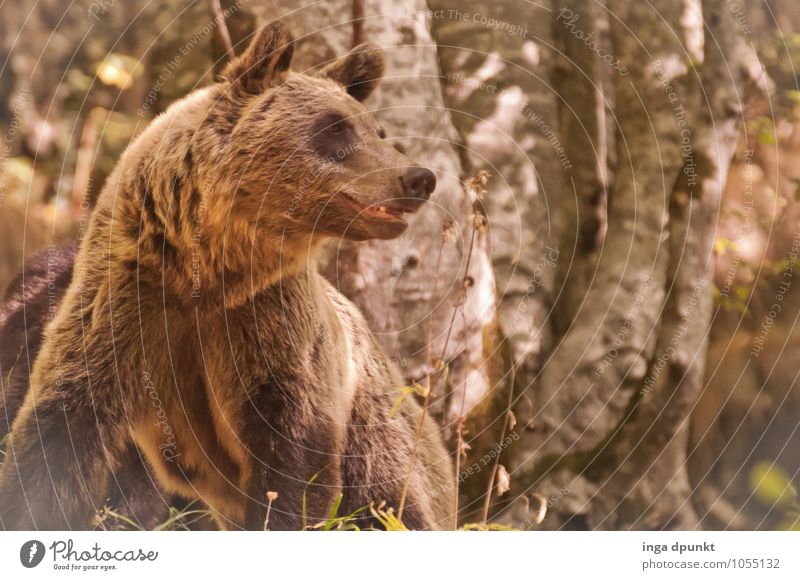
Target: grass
x=387, y=518
x=336, y=522
x=488, y=528
x=177, y=519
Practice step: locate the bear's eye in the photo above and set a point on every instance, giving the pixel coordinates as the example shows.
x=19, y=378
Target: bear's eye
x=332, y=136
x=381, y=133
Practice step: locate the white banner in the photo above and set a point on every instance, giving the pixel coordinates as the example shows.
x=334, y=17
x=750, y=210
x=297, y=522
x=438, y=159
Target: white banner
x=137, y=555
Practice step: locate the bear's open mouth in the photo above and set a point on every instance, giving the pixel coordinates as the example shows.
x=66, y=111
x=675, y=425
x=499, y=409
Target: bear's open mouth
x=386, y=212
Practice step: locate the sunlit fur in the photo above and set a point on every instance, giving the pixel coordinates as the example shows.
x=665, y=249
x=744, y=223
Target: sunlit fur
x=196, y=324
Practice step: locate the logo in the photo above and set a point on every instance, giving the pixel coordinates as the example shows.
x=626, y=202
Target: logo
x=31, y=553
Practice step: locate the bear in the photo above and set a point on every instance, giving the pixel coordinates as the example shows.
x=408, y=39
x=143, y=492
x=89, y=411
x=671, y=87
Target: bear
x=29, y=303
x=197, y=328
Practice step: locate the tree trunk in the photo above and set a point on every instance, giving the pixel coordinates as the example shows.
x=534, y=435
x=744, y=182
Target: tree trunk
x=601, y=381
x=496, y=80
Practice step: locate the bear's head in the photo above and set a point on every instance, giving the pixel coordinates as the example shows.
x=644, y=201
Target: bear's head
x=306, y=158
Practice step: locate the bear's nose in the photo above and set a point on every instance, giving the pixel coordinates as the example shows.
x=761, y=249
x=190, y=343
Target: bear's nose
x=419, y=182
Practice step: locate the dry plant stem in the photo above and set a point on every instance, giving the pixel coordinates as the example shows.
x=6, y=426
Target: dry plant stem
x=490, y=487
x=459, y=451
x=430, y=321
x=85, y=156
x=404, y=492
x=358, y=22
x=460, y=427
x=222, y=28
x=271, y=496
x=426, y=403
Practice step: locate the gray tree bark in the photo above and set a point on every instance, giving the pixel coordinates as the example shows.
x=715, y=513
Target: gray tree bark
x=617, y=391
x=497, y=88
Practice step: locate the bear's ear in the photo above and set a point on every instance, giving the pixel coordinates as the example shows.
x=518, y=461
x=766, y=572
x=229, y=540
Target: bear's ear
x=263, y=63
x=359, y=71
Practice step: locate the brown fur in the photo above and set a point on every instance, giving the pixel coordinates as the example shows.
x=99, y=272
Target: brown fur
x=196, y=325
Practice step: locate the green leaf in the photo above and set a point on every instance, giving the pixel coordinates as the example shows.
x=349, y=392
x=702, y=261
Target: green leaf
x=387, y=518
x=305, y=500
x=790, y=525
x=416, y=388
x=771, y=484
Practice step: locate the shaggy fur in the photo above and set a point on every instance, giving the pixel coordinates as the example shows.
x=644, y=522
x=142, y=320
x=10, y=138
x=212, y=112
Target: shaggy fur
x=196, y=326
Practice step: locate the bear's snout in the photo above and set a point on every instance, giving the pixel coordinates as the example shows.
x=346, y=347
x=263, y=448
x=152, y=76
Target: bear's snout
x=419, y=183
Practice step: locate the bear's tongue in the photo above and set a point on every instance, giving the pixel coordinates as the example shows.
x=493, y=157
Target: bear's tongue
x=383, y=212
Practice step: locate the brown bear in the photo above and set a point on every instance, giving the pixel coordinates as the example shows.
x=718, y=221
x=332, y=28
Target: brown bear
x=197, y=327
x=29, y=304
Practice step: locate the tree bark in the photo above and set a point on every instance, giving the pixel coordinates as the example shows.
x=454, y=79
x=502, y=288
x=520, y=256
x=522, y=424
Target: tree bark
x=496, y=86
x=656, y=431
x=652, y=277
x=581, y=80
x=592, y=372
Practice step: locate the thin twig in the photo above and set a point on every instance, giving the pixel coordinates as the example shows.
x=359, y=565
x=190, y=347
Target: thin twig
x=426, y=403
x=84, y=159
x=460, y=423
x=271, y=496
x=490, y=487
x=358, y=22
x=404, y=492
x=222, y=27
